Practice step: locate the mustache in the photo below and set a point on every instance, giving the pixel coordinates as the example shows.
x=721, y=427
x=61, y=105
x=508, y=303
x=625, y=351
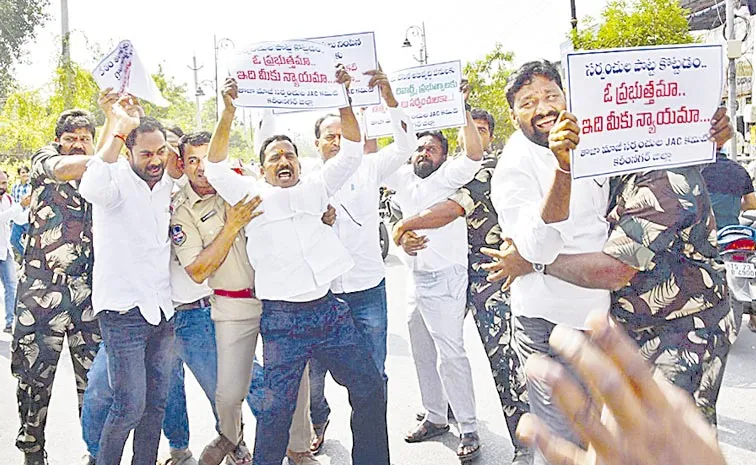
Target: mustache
x=77, y=151
x=290, y=168
x=538, y=118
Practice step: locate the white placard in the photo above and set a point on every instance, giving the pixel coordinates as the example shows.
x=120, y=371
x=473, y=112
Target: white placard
x=643, y=108
x=122, y=70
x=429, y=95
x=296, y=74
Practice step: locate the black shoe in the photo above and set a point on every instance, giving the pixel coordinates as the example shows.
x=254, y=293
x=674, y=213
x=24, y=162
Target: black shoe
x=8, y=329
x=522, y=457
x=35, y=458
x=420, y=416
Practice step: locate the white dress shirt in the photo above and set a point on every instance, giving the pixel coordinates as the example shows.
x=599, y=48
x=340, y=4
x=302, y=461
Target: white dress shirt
x=356, y=205
x=295, y=255
x=520, y=183
x=447, y=245
x=132, y=248
x=9, y=211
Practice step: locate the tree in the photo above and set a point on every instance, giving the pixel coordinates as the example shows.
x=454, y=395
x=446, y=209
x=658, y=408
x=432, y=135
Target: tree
x=180, y=111
x=488, y=80
x=635, y=23
x=20, y=19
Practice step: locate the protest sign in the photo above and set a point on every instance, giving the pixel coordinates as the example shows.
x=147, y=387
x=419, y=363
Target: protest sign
x=357, y=53
x=122, y=70
x=429, y=95
x=643, y=108
x=295, y=74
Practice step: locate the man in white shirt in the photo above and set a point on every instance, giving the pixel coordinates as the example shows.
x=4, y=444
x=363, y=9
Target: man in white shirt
x=9, y=212
x=439, y=287
x=545, y=213
x=356, y=204
x=131, y=291
x=296, y=257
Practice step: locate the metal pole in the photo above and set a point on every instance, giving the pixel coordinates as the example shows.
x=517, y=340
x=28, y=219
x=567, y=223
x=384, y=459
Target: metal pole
x=573, y=11
x=217, y=109
x=196, y=95
x=66, y=53
x=732, y=79
x=424, y=51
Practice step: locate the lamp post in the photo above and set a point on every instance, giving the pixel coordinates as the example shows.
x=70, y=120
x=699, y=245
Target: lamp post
x=417, y=32
x=197, y=91
x=223, y=43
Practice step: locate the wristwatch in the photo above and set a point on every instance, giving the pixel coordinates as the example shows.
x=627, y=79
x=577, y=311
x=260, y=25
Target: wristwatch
x=539, y=268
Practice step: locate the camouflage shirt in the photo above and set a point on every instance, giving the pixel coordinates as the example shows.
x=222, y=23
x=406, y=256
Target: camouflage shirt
x=483, y=228
x=661, y=224
x=60, y=223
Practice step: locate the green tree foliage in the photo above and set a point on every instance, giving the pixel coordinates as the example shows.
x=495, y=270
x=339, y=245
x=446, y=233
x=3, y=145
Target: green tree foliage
x=19, y=20
x=180, y=112
x=635, y=23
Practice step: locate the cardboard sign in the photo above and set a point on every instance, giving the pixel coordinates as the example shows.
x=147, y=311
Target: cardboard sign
x=643, y=108
x=294, y=74
x=429, y=95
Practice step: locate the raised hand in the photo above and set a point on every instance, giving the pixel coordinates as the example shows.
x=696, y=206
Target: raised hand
x=126, y=114
x=230, y=92
x=563, y=137
x=379, y=78
x=329, y=216
x=343, y=77
x=243, y=212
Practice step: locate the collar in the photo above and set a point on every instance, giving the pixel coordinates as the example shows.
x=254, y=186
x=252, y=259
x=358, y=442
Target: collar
x=193, y=197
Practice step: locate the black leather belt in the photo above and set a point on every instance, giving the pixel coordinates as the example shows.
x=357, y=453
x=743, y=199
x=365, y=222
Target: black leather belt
x=201, y=303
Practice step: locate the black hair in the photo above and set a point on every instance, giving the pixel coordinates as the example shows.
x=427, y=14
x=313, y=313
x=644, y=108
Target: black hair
x=176, y=130
x=146, y=124
x=276, y=138
x=319, y=122
x=23, y=168
x=71, y=120
x=524, y=76
x=195, y=139
x=439, y=136
x=483, y=114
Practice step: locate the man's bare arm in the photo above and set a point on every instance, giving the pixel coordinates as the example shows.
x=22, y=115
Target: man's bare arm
x=435, y=217
x=595, y=270
x=67, y=168
x=748, y=202
x=218, y=150
x=213, y=256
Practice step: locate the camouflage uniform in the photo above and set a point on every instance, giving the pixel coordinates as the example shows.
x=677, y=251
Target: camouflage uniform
x=676, y=306
x=487, y=302
x=53, y=298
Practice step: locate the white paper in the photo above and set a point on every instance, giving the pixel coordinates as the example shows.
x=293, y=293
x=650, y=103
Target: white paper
x=122, y=70
x=643, y=108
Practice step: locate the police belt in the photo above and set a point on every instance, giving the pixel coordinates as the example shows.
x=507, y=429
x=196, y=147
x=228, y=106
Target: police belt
x=201, y=303
x=240, y=294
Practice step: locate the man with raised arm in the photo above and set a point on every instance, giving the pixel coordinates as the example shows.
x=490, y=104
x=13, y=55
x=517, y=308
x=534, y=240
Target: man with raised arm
x=296, y=257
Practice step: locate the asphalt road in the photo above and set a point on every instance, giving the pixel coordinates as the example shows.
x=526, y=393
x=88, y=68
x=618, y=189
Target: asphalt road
x=737, y=404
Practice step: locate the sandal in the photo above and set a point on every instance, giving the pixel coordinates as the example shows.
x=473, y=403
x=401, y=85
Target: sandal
x=425, y=430
x=469, y=447
x=751, y=324
x=317, y=442
x=240, y=456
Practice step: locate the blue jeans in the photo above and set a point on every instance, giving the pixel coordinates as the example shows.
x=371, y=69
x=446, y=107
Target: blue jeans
x=9, y=281
x=194, y=345
x=140, y=358
x=370, y=313
x=18, y=230
x=296, y=332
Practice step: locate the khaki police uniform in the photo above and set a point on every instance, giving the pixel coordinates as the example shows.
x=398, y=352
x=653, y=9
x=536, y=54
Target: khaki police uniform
x=195, y=223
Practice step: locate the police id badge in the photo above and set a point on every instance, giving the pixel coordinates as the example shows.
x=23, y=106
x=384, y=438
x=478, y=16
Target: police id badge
x=178, y=236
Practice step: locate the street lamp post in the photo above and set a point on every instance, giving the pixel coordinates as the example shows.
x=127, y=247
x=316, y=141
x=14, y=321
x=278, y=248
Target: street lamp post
x=417, y=32
x=218, y=44
x=197, y=91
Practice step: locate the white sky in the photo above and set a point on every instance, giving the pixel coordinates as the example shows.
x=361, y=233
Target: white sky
x=169, y=32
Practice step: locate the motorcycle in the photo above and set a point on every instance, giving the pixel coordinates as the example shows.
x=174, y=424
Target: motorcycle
x=737, y=245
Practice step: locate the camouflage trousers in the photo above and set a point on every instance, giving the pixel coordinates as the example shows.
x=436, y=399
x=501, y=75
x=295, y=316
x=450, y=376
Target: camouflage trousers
x=692, y=355
x=493, y=317
x=45, y=314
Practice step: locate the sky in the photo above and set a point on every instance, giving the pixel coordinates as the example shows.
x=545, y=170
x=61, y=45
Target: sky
x=170, y=32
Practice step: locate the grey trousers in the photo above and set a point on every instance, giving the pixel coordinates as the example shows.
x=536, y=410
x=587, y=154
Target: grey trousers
x=531, y=336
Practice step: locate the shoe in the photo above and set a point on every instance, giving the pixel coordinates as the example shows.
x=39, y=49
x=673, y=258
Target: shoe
x=8, y=329
x=35, y=458
x=181, y=457
x=420, y=416
x=216, y=451
x=319, y=439
x=87, y=460
x=240, y=456
x=301, y=458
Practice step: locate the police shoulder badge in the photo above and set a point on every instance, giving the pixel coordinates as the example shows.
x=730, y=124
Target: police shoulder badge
x=178, y=236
